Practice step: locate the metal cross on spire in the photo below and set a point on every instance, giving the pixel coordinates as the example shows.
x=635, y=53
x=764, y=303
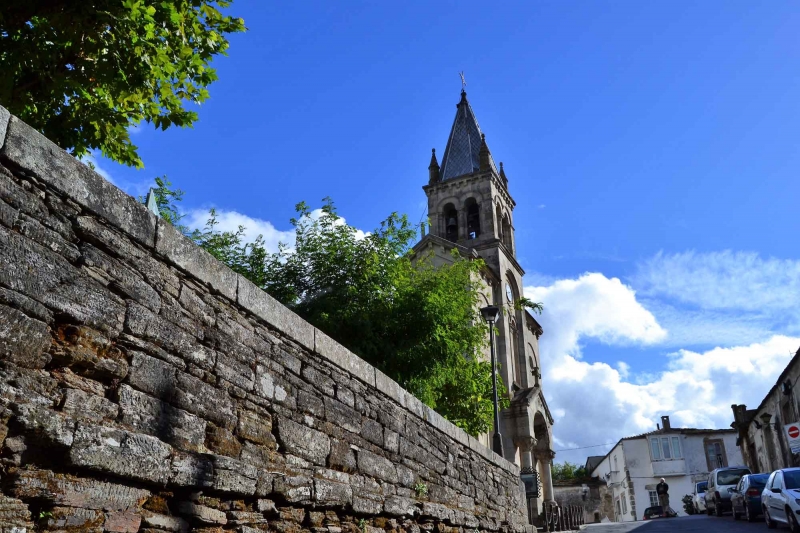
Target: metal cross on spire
x=463, y=81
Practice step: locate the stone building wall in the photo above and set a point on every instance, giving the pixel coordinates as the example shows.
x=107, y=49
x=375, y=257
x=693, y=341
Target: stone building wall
x=597, y=505
x=144, y=386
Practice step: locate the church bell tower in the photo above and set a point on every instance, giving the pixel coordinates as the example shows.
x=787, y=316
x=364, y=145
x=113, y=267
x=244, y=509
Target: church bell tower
x=471, y=210
x=468, y=199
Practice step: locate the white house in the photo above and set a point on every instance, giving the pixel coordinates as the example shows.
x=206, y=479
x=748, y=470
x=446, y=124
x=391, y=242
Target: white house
x=682, y=456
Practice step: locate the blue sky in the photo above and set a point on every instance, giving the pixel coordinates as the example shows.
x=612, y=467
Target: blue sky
x=652, y=149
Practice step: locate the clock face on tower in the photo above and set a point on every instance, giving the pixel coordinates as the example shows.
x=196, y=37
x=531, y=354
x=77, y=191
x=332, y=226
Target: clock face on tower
x=509, y=293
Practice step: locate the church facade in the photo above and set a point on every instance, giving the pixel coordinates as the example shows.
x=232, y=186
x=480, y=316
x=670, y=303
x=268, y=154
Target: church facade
x=470, y=209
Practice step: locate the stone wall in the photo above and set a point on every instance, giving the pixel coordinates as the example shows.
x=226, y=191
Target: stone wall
x=144, y=386
x=597, y=504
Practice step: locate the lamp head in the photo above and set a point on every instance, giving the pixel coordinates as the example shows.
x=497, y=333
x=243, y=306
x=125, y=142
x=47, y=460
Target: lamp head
x=490, y=313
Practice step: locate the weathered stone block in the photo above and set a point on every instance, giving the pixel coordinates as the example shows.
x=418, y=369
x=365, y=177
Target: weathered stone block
x=221, y=441
x=70, y=491
x=122, y=522
x=164, y=522
x=233, y=368
x=82, y=405
x=30, y=150
x=42, y=423
x=342, y=456
x=190, y=470
x=151, y=375
x=36, y=231
x=14, y=515
x=274, y=313
x=436, y=510
x=234, y=476
x=343, y=358
x=5, y=116
x=204, y=400
x=256, y=428
x=303, y=441
x=29, y=306
x=376, y=466
x=331, y=493
x=141, y=322
x=294, y=489
x=311, y=404
x=389, y=387
x=186, y=255
x=400, y=506
x=372, y=431
x=201, y=514
x=122, y=278
x=342, y=416
x=23, y=340
x=70, y=518
x=121, y=453
x=150, y=415
x=367, y=506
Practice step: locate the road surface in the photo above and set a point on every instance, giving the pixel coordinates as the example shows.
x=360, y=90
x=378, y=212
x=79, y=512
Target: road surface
x=689, y=524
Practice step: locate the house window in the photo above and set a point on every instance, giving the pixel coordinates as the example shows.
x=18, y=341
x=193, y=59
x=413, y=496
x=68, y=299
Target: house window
x=616, y=464
x=665, y=448
x=676, y=448
x=624, y=501
x=653, y=498
x=655, y=449
x=715, y=454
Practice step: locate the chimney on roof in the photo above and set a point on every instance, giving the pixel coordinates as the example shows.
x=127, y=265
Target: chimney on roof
x=665, y=422
x=658, y=427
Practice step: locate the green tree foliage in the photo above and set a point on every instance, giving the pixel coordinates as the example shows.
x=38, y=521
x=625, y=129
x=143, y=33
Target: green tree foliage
x=567, y=471
x=83, y=72
x=418, y=324
x=165, y=200
x=688, y=504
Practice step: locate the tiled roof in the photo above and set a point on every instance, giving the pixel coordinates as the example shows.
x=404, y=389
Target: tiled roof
x=462, y=154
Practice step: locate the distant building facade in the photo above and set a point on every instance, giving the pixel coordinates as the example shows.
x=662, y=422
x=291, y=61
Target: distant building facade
x=682, y=456
x=763, y=439
x=470, y=210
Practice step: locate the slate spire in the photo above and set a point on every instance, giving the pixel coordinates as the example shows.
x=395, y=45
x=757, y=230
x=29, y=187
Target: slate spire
x=463, y=152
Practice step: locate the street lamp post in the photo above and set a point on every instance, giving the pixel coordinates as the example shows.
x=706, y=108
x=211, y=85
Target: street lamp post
x=489, y=314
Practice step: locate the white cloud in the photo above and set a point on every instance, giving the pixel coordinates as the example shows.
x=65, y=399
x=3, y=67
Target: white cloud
x=231, y=220
x=602, y=402
x=593, y=306
x=721, y=280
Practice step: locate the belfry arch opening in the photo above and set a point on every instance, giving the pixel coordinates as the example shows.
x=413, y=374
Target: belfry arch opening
x=473, y=219
x=450, y=223
x=506, y=232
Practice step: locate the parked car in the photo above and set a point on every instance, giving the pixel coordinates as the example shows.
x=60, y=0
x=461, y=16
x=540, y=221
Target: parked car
x=718, y=499
x=699, y=497
x=779, y=499
x=657, y=512
x=746, y=497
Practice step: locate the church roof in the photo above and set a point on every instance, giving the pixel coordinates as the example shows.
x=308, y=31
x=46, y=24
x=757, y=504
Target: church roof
x=462, y=155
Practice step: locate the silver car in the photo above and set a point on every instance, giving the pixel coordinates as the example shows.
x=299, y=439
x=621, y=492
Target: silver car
x=718, y=497
x=780, y=499
x=699, y=497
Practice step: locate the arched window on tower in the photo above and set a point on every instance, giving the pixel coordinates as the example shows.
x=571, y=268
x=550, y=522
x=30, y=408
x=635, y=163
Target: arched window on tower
x=507, y=234
x=473, y=219
x=450, y=223
x=499, y=224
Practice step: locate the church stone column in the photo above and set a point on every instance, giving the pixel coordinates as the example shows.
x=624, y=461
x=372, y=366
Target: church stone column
x=547, y=477
x=526, y=445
